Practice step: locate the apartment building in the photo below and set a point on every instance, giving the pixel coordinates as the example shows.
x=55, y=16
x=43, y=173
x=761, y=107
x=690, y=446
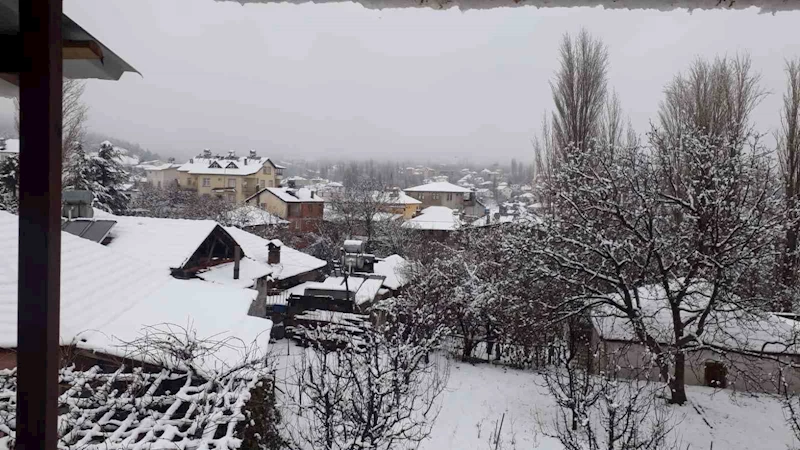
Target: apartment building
x=231, y=177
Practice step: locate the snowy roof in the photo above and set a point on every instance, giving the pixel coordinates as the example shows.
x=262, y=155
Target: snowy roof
x=726, y=325
x=392, y=267
x=292, y=263
x=108, y=297
x=337, y=284
x=225, y=166
x=401, y=198
x=250, y=270
x=144, y=409
x=159, y=167
x=439, y=186
x=368, y=290
x=290, y=195
x=163, y=243
x=249, y=216
x=663, y=5
x=9, y=146
x=435, y=218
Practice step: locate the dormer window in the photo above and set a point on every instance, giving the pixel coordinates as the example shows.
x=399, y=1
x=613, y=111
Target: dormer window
x=214, y=165
x=231, y=165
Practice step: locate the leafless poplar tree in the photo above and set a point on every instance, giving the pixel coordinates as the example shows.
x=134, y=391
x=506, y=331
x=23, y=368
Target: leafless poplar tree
x=712, y=97
x=612, y=127
x=579, y=90
x=788, y=140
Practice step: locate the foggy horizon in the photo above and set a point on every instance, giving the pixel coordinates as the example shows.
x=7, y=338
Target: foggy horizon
x=341, y=81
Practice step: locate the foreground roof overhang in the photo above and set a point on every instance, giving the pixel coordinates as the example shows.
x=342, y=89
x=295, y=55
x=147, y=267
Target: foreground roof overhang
x=84, y=56
x=766, y=6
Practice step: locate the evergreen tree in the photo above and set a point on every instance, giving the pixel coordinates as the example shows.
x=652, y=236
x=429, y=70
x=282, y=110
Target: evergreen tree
x=77, y=171
x=106, y=178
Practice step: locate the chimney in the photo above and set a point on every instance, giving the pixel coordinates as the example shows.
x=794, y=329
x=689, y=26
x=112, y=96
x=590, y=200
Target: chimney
x=237, y=257
x=191, y=160
x=245, y=161
x=253, y=154
x=312, y=194
x=274, y=253
x=206, y=153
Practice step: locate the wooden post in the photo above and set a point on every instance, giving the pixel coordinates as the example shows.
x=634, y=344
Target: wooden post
x=237, y=257
x=39, y=224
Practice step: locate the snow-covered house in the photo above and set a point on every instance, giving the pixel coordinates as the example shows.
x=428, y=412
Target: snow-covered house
x=435, y=220
x=288, y=267
x=181, y=247
x=161, y=175
x=396, y=201
x=109, y=298
x=252, y=218
x=737, y=348
x=442, y=193
x=394, y=270
x=232, y=177
x=302, y=207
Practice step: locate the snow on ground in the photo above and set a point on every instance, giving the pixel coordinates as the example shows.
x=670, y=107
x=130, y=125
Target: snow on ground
x=477, y=397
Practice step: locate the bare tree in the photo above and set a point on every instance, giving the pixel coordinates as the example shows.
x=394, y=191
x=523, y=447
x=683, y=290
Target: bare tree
x=74, y=114
x=611, y=129
x=603, y=412
x=579, y=90
x=703, y=245
x=714, y=98
x=379, y=392
x=359, y=207
x=788, y=140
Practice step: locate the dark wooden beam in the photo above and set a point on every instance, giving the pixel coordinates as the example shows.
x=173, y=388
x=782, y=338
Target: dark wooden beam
x=39, y=224
x=13, y=60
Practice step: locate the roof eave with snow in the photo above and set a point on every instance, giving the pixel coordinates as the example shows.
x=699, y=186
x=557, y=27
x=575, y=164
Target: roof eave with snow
x=765, y=6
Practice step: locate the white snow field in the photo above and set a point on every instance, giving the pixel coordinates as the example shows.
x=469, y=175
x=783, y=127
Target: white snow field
x=477, y=396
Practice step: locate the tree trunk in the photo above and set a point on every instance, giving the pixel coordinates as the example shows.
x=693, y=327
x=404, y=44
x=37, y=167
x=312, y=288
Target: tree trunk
x=678, y=382
x=467, y=353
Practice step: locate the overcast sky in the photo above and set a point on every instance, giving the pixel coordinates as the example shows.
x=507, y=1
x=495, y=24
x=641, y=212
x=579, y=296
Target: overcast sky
x=310, y=81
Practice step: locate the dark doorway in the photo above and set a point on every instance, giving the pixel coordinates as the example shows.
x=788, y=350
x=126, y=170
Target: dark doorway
x=716, y=374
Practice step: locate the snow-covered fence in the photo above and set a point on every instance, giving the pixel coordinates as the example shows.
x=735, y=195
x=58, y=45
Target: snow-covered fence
x=518, y=356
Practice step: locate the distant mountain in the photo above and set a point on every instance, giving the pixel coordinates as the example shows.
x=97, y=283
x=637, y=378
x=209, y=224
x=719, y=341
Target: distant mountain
x=93, y=140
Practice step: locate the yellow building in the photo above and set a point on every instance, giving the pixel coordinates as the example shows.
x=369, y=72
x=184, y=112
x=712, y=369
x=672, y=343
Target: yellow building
x=230, y=177
x=398, y=202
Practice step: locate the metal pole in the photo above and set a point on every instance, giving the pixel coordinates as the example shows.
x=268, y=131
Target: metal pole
x=39, y=224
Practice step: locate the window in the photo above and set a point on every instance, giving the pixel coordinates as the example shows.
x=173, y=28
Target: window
x=271, y=183
x=231, y=197
x=261, y=183
x=267, y=170
x=716, y=374
x=294, y=210
x=449, y=196
x=434, y=196
x=206, y=182
x=231, y=182
x=422, y=196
